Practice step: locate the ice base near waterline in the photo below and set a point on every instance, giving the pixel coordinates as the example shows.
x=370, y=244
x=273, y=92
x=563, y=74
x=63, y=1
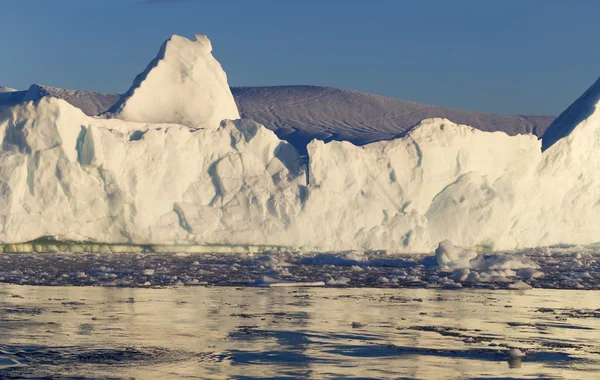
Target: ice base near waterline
x=49, y=246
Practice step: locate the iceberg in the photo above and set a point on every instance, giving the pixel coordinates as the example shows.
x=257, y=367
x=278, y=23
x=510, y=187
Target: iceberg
x=171, y=163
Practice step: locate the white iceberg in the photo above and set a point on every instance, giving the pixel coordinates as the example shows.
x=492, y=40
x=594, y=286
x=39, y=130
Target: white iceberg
x=170, y=164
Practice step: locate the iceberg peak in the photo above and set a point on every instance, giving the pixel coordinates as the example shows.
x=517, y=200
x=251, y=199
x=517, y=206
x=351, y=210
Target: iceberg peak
x=570, y=118
x=184, y=84
x=203, y=40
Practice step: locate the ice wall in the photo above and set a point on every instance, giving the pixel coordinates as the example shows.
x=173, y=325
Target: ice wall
x=73, y=177
x=441, y=181
x=196, y=179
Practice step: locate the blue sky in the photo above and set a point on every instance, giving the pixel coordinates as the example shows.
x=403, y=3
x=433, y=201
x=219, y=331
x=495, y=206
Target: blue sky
x=512, y=57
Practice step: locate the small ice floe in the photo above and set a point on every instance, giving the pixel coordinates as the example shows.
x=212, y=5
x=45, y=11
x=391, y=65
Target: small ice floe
x=194, y=281
x=341, y=259
x=338, y=281
x=451, y=285
x=270, y=282
x=449, y=255
x=529, y=273
x=383, y=280
x=519, y=285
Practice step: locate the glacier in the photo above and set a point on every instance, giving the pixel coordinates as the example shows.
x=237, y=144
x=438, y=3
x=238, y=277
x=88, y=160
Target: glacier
x=171, y=163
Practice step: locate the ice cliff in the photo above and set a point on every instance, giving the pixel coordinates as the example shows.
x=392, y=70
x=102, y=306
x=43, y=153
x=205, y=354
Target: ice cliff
x=170, y=164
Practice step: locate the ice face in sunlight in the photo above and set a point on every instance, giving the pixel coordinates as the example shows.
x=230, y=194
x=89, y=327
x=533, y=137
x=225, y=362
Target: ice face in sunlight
x=164, y=168
x=184, y=84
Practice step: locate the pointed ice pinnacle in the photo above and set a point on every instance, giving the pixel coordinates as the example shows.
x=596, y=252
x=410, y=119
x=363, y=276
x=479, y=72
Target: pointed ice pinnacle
x=577, y=112
x=184, y=84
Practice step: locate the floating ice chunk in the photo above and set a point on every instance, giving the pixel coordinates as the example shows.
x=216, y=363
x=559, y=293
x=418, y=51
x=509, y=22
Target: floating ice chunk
x=451, y=285
x=356, y=255
x=529, y=273
x=449, y=255
x=270, y=282
x=353, y=258
x=338, y=281
x=519, y=285
x=461, y=275
x=502, y=261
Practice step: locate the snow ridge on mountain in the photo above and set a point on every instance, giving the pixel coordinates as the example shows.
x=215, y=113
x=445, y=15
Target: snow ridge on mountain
x=91, y=103
x=302, y=113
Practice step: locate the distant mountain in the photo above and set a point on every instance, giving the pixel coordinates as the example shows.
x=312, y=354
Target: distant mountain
x=91, y=103
x=299, y=114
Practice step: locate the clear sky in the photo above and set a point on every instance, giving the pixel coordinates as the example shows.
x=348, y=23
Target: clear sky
x=509, y=56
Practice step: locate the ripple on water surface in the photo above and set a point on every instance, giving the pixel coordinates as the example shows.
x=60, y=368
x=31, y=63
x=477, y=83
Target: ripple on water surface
x=244, y=333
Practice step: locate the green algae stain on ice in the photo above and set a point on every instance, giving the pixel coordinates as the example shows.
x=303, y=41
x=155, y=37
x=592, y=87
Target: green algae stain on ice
x=48, y=245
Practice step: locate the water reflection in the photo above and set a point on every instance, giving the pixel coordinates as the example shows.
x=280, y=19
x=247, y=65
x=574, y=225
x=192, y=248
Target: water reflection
x=218, y=333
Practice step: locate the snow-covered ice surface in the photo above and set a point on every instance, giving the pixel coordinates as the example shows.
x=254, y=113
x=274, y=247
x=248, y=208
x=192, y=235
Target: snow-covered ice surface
x=284, y=333
x=162, y=168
